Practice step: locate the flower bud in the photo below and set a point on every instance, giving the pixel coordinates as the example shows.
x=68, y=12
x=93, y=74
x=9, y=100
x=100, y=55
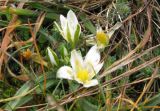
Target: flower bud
x=52, y=56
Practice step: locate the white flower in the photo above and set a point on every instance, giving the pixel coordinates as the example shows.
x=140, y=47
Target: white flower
x=102, y=39
x=82, y=71
x=70, y=28
x=52, y=56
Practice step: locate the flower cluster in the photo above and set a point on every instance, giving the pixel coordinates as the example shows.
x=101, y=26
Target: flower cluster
x=82, y=70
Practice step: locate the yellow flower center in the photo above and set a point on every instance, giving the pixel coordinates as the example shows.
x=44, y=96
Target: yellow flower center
x=102, y=38
x=83, y=75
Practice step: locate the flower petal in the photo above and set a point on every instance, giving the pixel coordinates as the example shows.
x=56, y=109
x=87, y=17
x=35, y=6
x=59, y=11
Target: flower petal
x=76, y=60
x=90, y=41
x=93, y=56
x=77, y=79
x=98, y=67
x=65, y=72
x=72, y=23
x=71, y=17
x=91, y=70
x=91, y=83
x=64, y=23
x=113, y=29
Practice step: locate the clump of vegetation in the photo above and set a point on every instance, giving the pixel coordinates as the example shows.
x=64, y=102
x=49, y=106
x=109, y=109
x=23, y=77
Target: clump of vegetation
x=79, y=55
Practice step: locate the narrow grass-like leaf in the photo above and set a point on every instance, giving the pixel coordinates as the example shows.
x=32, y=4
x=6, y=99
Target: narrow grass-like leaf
x=17, y=11
x=87, y=106
x=26, y=87
x=154, y=101
x=77, y=33
x=14, y=103
x=87, y=23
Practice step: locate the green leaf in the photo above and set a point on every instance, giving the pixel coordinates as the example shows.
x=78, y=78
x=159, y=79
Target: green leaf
x=42, y=39
x=87, y=23
x=63, y=50
x=154, y=101
x=17, y=102
x=86, y=105
x=40, y=7
x=26, y=12
x=12, y=105
x=52, y=16
x=58, y=27
x=17, y=11
x=73, y=86
x=69, y=36
x=50, y=38
x=77, y=34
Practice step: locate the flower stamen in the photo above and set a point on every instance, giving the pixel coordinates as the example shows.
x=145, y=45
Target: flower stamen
x=83, y=75
x=101, y=37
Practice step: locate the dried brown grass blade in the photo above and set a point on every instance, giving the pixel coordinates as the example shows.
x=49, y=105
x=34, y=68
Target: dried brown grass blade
x=7, y=38
x=33, y=33
x=146, y=88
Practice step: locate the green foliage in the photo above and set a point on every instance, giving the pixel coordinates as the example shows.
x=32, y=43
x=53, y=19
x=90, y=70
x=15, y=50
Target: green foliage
x=87, y=105
x=153, y=101
x=6, y=90
x=120, y=11
x=88, y=24
x=18, y=102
